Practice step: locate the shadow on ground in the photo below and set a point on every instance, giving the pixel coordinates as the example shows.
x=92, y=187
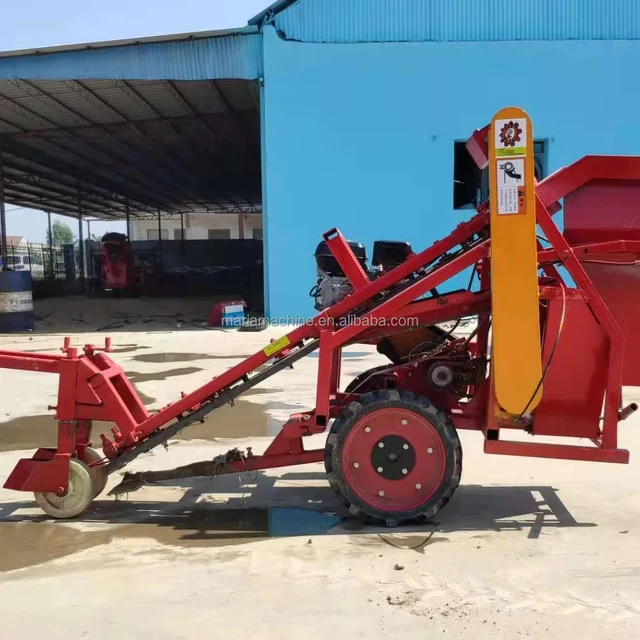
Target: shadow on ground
x=232, y=510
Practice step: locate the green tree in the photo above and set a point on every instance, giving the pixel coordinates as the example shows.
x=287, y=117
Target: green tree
x=62, y=234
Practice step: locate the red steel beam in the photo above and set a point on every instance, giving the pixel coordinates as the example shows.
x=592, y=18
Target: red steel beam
x=30, y=362
x=556, y=451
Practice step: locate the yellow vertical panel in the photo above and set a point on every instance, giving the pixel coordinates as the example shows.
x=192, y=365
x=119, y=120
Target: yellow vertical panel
x=517, y=358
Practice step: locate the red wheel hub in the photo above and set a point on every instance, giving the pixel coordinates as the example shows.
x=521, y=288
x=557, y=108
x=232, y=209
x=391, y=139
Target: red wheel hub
x=393, y=459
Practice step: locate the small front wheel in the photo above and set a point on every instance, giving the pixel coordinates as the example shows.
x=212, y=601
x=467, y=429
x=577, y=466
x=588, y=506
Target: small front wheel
x=77, y=498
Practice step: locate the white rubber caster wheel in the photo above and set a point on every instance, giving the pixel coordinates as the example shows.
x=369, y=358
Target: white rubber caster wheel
x=98, y=473
x=78, y=497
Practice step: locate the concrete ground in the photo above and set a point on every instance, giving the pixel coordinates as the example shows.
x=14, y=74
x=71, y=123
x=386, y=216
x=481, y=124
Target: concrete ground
x=540, y=548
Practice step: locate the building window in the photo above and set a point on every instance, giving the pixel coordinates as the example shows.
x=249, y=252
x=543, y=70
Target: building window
x=152, y=234
x=257, y=234
x=540, y=151
x=471, y=185
x=177, y=234
x=219, y=234
x=467, y=178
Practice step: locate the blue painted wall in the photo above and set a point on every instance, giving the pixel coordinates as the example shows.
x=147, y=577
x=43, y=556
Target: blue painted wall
x=360, y=136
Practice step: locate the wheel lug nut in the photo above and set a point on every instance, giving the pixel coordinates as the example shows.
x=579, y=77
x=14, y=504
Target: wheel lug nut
x=405, y=447
x=356, y=465
x=380, y=469
x=404, y=471
x=418, y=487
x=404, y=423
x=381, y=494
x=381, y=445
x=429, y=450
x=367, y=429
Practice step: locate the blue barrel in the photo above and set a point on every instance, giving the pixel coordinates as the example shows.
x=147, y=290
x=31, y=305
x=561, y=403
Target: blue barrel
x=16, y=302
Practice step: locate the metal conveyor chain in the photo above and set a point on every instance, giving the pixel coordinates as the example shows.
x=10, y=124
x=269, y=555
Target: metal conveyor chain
x=225, y=397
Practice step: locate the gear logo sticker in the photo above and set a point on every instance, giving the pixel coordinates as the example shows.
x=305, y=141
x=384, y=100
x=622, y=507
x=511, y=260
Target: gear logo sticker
x=510, y=138
x=510, y=134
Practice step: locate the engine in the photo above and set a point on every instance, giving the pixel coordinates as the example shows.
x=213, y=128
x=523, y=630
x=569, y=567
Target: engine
x=332, y=285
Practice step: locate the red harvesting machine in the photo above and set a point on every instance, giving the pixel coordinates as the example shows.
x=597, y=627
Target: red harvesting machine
x=553, y=345
x=119, y=271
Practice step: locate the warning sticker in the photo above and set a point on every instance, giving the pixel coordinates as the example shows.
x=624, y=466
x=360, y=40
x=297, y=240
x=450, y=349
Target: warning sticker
x=510, y=186
x=276, y=346
x=510, y=137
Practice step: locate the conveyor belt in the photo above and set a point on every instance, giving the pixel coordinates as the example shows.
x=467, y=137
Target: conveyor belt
x=161, y=436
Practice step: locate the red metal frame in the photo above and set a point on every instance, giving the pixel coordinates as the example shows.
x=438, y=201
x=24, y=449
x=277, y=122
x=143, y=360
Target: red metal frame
x=93, y=387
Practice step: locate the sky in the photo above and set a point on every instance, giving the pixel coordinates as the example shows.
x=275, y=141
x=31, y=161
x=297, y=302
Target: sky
x=40, y=23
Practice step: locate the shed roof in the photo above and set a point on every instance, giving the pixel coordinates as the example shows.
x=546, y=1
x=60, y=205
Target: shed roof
x=109, y=44
x=270, y=11
x=102, y=146
x=167, y=123
x=357, y=21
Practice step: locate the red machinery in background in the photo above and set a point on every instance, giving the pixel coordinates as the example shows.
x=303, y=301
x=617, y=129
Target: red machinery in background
x=118, y=271
x=117, y=263
x=392, y=451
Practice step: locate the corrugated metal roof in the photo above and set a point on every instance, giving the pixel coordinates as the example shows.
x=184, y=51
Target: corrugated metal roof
x=270, y=11
x=193, y=57
x=346, y=21
x=108, y=44
x=162, y=144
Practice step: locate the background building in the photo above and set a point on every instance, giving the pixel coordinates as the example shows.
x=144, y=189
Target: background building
x=204, y=226
x=319, y=113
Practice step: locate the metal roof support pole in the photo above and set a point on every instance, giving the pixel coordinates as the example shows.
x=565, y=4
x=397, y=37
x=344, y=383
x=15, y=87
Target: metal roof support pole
x=182, y=247
x=80, y=236
x=3, y=220
x=128, y=214
x=89, y=251
x=241, y=226
x=160, y=256
x=50, y=238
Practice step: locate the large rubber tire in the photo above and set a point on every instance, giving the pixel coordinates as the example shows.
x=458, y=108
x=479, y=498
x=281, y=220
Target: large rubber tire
x=76, y=500
x=98, y=473
x=434, y=444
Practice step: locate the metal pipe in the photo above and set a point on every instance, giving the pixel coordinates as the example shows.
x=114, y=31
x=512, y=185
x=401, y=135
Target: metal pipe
x=90, y=252
x=128, y=214
x=53, y=270
x=182, y=247
x=240, y=226
x=627, y=411
x=160, y=256
x=80, y=236
x=3, y=219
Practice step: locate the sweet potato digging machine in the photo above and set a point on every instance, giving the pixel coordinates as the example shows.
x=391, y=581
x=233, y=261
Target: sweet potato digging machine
x=554, y=341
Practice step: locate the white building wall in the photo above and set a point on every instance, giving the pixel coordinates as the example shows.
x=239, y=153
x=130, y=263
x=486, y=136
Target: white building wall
x=197, y=225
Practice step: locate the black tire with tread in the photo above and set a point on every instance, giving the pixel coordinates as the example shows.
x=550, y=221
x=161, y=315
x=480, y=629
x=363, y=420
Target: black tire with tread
x=352, y=414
